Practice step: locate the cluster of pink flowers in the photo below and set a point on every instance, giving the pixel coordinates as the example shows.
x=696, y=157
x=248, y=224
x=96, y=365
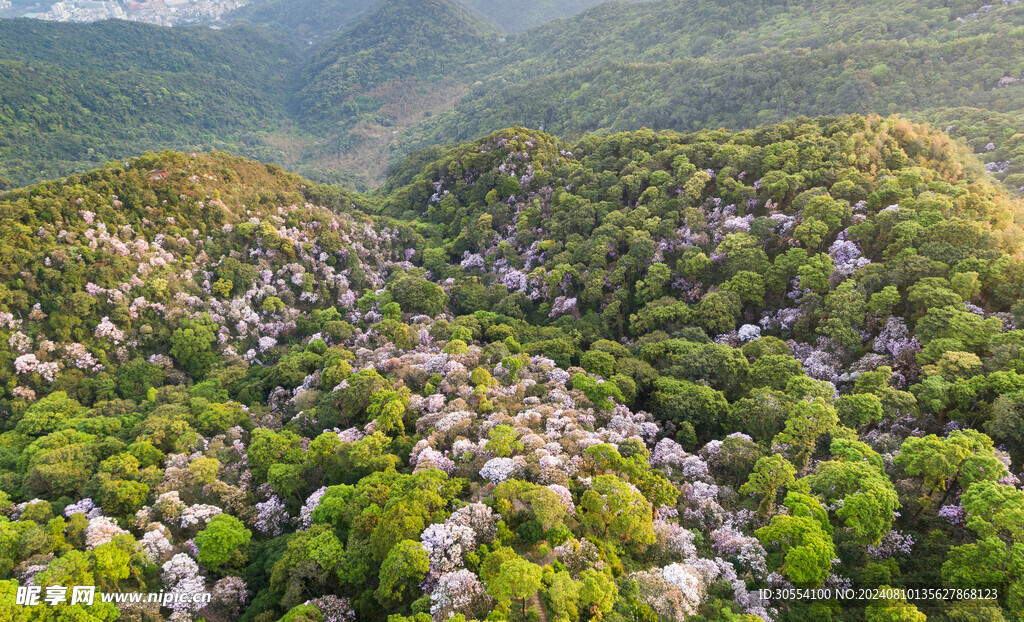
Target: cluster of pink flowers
x=24, y=393
x=446, y=544
x=231, y=594
x=19, y=342
x=76, y=355
x=7, y=321
x=730, y=542
x=564, y=305
x=156, y=545
x=675, y=591
x=312, y=501
x=197, y=515
x=84, y=506
x=954, y=513
x=100, y=531
x=181, y=575
x=26, y=364
x=673, y=540
x=272, y=516
x=894, y=337
x=497, y=470
x=579, y=555
x=479, y=518
x=455, y=593
x=892, y=543
x=334, y=608
x=107, y=330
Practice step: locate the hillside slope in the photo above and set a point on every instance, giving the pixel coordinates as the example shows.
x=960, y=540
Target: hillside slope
x=630, y=374
x=519, y=16
x=315, y=19
x=691, y=65
x=392, y=44
x=308, y=19
x=73, y=96
x=407, y=75
x=364, y=86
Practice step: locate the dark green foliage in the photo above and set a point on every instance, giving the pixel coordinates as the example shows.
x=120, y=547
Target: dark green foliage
x=391, y=44
x=528, y=13
x=626, y=66
x=402, y=76
x=418, y=295
x=309, y=19
x=191, y=347
x=76, y=96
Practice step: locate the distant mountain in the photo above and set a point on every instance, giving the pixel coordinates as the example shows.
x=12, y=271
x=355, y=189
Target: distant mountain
x=400, y=40
x=315, y=19
x=73, y=96
x=361, y=88
x=522, y=14
x=685, y=65
x=309, y=19
x=405, y=75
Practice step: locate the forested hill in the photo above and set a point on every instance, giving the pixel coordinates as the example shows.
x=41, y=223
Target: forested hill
x=403, y=75
x=75, y=96
x=690, y=64
x=313, y=19
x=523, y=14
x=401, y=40
x=308, y=19
x=631, y=377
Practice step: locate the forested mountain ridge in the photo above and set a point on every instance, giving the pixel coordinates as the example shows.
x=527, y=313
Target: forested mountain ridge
x=392, y=44
x=309, y=19
x=637, y=376
x=667, y=64
x=314, y=19
x=525, y=14
x=75, y=96
x=690, y=65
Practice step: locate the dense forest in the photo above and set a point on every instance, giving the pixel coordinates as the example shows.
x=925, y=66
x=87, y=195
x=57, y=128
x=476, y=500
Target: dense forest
x=639, y=376
x=317, y=18
x=309, y=19
x=342, y=91
x=396, y=45
x=524, y=14
x=73, y=97
x=690, y=65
